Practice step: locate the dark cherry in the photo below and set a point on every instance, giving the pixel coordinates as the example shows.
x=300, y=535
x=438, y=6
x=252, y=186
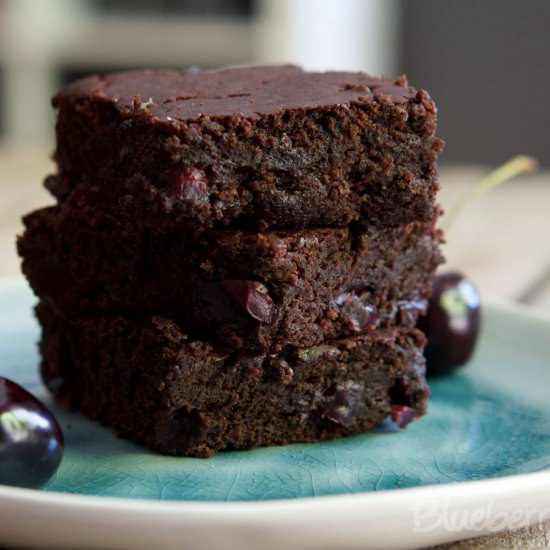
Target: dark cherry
x=340, y=403
x=451, y=324
x=359, y=315
x=402, y=415
x=31, y=441
x=251, y=297
x=188, y=183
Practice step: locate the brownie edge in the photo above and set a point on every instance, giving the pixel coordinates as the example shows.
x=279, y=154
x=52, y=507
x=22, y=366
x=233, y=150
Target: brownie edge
x=244, y=290
x=152, y=384
x=269, y=146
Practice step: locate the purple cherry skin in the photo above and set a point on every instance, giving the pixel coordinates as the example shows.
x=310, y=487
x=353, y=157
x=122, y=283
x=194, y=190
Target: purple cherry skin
x=451, y=323
x=31, y=441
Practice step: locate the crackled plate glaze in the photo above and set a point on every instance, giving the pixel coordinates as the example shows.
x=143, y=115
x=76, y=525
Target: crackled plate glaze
x=490, y=420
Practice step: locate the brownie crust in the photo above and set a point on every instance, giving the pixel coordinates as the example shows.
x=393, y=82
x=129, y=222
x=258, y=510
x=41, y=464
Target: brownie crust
x=152, y=384
x=255, y=146
x=244, y=290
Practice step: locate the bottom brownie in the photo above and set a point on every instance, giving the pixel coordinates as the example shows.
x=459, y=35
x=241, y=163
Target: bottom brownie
x=152, y=384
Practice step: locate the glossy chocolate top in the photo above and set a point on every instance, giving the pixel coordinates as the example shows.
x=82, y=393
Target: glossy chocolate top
x=242, y=91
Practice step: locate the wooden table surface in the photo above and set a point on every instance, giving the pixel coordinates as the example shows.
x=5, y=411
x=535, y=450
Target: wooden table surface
x=500, y=241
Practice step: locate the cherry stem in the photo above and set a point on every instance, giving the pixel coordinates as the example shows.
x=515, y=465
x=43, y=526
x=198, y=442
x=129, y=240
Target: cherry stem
x=516, y=166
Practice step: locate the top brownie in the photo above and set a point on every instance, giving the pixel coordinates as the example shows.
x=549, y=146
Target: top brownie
x=249, y=147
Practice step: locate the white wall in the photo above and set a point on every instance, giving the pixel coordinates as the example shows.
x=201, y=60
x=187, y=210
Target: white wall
x=329, y=34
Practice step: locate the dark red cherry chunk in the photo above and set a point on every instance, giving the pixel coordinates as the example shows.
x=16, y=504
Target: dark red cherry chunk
x=451, y=324
x=341, y=402
x=188, y=183
x=402, y=415
x=31, y=441
x=252, y=297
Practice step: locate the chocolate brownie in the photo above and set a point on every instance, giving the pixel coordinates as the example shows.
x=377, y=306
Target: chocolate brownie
x=151, y=383
x=250, y=147
x=246, y=290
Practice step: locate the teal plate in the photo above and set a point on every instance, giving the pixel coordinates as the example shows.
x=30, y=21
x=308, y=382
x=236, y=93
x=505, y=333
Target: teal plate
x=489, y=420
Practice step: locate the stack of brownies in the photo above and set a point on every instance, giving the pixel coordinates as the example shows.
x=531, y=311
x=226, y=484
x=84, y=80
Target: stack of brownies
x=237, y=257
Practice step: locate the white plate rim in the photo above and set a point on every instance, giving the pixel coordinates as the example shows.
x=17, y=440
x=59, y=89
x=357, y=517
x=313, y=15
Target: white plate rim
x=337, y=521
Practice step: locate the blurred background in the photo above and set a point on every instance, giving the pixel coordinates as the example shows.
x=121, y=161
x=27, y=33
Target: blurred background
x=485, y=63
